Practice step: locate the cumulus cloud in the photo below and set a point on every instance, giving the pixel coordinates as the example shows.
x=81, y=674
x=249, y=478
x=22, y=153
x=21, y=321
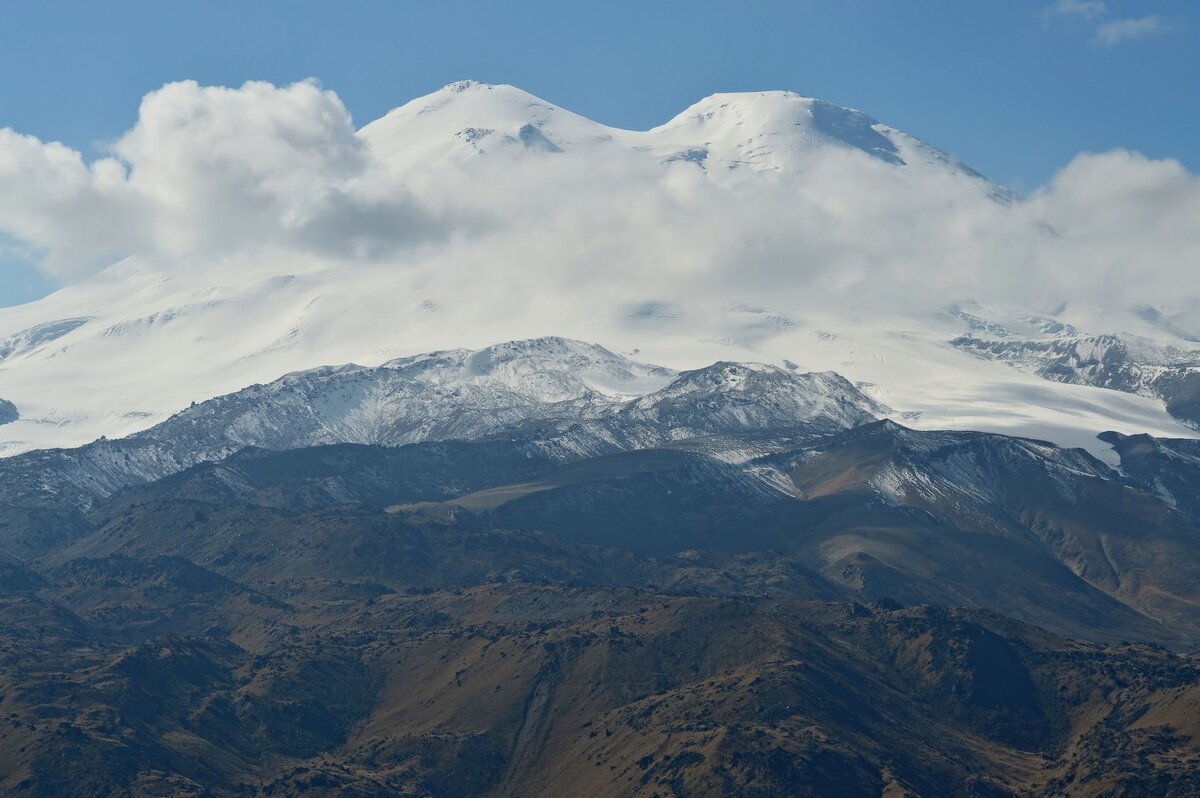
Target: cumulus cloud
x=204, y=170
x=51, y=200
x=213, y=172
x=1118, y=233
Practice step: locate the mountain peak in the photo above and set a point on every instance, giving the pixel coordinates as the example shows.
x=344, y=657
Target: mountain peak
x=469, y=89
x=783, y=120
x=459, y=86
x=547, y=369
x=468, y=118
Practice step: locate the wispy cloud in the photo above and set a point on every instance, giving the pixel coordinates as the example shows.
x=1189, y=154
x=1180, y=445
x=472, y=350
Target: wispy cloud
x=1106, y=29
x=1086, y=9
x=1116, y=31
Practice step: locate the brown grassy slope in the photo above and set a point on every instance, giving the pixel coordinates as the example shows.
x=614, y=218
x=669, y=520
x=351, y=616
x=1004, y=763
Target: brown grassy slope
x=526, y=690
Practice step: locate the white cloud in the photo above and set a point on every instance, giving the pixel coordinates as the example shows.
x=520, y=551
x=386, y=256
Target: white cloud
x=207, y=172
x=51, y=200
x=1119, y=30
x=1087, y=9
x=204, y=170
x=1106, y=30
x=1124, y=233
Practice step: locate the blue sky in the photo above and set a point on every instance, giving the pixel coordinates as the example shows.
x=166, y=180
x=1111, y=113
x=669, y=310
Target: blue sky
x=1015, y=88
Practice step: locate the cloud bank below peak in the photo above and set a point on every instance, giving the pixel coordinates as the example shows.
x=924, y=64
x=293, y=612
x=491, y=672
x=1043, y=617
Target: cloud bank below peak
x=270, y=174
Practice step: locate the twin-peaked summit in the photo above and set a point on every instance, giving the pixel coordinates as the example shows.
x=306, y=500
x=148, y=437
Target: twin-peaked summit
x=759, y=131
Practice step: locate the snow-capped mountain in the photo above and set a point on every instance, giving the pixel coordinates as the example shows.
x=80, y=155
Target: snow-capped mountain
x=455, y=394
x=1121, y=362
x=481, y=213
x=554, y=399
x=759, y=131
x=575, y=399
